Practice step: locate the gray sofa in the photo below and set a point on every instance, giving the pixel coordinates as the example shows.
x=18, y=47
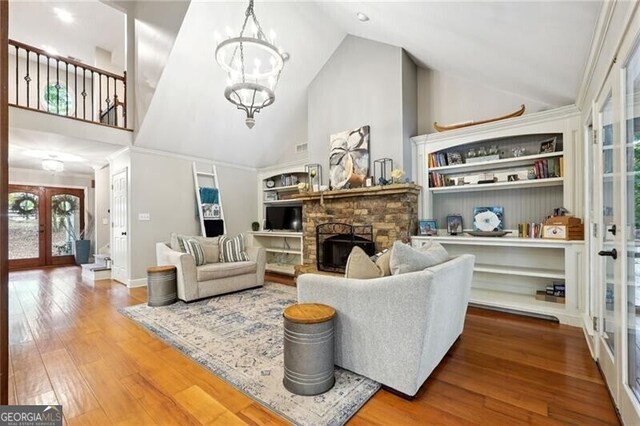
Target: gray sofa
x=395, y=329
x=214, y=277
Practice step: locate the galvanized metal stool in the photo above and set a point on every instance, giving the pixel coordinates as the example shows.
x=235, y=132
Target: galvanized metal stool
x=308, y=348
x=161, y=285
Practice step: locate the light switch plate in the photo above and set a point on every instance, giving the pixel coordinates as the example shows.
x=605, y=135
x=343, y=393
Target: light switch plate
x=144, y=216
x=105, y=221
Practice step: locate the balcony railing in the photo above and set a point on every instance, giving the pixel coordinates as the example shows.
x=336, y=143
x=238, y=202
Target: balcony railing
x=61, y=86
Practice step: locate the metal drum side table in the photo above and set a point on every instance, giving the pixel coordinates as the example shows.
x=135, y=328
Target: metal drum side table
x=161, y=285
x=308, y=348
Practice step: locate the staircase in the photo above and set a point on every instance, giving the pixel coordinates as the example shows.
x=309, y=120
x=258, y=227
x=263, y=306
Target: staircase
x=99, y=270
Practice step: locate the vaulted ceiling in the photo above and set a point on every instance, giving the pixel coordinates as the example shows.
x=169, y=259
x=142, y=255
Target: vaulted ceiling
x=534, y=49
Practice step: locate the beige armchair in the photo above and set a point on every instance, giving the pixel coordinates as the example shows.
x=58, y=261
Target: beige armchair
x=214, y=277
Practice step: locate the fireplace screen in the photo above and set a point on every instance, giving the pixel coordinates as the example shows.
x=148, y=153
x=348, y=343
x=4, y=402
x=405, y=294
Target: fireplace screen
x=334, y=242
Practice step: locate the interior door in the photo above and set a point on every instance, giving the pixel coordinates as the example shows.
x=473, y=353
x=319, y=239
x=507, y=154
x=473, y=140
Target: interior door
x=119, y=227
x=608, y=242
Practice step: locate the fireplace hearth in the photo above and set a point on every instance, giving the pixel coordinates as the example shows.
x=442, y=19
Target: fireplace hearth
x=334, y=242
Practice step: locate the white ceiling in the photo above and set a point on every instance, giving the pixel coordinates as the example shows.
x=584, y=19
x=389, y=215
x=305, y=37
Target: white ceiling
x=535, y=49
x=27, y=149
x=95, y=25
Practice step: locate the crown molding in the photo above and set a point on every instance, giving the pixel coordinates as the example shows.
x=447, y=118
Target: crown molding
x=141, y=150
x=569, y=111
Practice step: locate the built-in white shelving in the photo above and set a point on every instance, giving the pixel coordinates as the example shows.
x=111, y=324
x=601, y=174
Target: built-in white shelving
x=283, y=249
x=510, y=270
x=533, y=183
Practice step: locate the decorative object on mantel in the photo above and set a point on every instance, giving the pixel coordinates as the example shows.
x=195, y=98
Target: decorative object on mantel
x=428, y=227
x=253, y=64
x=396, y=175
x=314, y=172
x=443, y=128
x=488, y=233
x=349, y=158
x=382, y=168
x=255, y=226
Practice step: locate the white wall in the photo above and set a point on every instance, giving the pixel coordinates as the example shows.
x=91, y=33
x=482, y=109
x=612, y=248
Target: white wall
x=361, y=84
x=448, y=98
x=102, y=206
x=162, y=186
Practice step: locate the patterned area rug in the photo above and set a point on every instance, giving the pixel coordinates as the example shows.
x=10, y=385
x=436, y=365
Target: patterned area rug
x=239, y=337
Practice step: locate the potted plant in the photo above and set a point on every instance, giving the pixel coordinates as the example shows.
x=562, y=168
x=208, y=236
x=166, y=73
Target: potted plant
x=255, y=226
x=81, y=245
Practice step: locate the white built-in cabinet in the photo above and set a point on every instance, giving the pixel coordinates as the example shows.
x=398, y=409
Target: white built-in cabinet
x=275, y=187
x=509, y=270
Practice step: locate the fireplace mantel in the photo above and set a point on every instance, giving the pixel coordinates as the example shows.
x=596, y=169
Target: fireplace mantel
x=392, y=211
x=399, y=188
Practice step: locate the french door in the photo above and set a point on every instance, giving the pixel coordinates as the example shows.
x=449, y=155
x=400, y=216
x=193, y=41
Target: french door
x=608, y=201
x=44, y=222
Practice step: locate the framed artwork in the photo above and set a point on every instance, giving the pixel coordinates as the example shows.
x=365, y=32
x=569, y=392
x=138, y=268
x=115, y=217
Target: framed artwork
x=488, y=219
x=349, y=158
x=211, y=211
x=548, y=145
x=454, y=224
x=427, y=227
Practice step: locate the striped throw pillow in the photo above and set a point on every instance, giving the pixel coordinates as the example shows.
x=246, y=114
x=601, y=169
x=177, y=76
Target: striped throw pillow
x=194, y=248
x=232, y=249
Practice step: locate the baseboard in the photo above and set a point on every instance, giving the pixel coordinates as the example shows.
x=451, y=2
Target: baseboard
x=140, y=282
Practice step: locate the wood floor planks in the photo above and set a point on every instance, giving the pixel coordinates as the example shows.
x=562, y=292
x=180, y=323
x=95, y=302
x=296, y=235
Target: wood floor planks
x=70, y=345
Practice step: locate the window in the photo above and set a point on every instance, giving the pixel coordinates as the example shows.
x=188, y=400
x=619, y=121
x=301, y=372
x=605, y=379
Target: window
x=57, y=99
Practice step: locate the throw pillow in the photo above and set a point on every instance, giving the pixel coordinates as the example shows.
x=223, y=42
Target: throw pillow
x=405, y=258
x=193, y=247
x=211, y=248
x=232, y=249
x=383, y=263
x=360, y=266
x=176, y=242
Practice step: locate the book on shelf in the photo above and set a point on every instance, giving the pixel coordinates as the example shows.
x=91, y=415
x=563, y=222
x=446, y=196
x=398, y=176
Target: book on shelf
x=438, y=159
x=548, y=168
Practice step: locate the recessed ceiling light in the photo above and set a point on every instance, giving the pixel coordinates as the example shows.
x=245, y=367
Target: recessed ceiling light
x=362, y=17
x=63, y=15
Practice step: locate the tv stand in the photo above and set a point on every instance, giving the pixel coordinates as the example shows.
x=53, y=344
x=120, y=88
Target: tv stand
x=283, y=249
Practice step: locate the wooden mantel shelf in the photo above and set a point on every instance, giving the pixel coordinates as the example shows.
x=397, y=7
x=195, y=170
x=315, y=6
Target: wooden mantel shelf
x=399, y=188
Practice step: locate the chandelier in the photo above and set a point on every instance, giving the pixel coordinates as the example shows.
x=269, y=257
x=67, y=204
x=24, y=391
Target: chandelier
x=253, y=65
x=52, y=165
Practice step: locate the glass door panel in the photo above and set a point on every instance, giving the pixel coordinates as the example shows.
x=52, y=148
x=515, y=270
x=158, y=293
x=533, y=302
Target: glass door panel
x=632, y=122
x=25, y=228
x=608, y=220
x=65, y=224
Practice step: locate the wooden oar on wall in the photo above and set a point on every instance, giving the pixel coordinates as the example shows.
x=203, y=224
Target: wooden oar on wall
x=443, y=128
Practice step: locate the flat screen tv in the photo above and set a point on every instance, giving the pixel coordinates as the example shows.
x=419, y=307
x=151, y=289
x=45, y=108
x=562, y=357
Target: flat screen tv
x=288, y=218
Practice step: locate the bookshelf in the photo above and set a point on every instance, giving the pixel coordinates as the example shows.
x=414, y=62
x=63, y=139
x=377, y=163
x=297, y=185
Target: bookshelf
x=517, y=173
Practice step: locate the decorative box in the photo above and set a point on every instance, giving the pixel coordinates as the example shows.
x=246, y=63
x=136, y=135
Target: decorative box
x=563, y=228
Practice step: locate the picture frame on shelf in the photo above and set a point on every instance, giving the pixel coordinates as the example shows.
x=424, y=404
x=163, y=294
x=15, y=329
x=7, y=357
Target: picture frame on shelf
x=271, y=196
x=512, y=178
x=427, y=227
x=454, y=224
x=488, y=219
x=548, y=145
x=454, y=158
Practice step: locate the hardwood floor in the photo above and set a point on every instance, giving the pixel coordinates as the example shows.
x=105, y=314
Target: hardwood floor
x=69, y=345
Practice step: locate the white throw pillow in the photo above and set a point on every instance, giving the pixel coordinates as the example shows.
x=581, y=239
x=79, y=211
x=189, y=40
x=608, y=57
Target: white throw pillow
x=405, y=258
x=232, y=249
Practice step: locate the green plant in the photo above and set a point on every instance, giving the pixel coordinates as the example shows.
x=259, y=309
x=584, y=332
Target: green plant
x=255, y=226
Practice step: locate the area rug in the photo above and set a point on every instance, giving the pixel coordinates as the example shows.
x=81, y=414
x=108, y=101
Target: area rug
x=239, y=337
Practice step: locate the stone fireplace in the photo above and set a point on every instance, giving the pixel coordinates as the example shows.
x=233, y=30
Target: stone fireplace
x=334, y=242
x=391, y=211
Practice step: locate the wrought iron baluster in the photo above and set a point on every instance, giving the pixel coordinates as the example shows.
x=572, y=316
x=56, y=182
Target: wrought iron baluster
x=17, y=72
x=39, y=82
x=84, y=93
x=93, y=107
x=46, y=85
x=57, y=86
x=66, y=71
x=99, y=97
x=115, y=102
x=75, y=91
x=27, y=78
x=124, y=107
